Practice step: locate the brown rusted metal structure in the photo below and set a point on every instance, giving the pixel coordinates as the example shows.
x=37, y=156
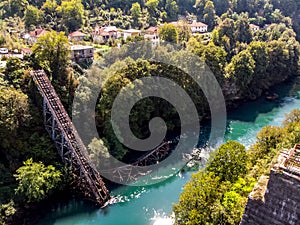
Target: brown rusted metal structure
x=70, y=146
x=131, y=172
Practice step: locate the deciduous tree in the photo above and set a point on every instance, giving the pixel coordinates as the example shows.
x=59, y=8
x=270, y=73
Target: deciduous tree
x=36, y=180
x=229, y=161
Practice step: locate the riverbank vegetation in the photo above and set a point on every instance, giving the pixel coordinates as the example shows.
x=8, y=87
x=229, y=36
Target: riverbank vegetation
x=222, y=188
x=245, y=62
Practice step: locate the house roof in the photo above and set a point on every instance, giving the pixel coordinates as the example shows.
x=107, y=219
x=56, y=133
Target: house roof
x=77, y=34
x=37, y=33
x=152, y=29
x=254, y=26
x=110, y=29
x=198, y=24
x=81, y=47
x=104, y=31
x=132, y=31
x=26, y=50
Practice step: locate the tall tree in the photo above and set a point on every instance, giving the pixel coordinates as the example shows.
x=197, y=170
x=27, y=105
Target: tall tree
x=198, y=202
x=209, y=15
x=152, y=7
x=172, y=10
x=241, y=69
x=199, y=6
x=14, y=7
x=72, y=13
x=13, y=109
x=33, y=16
x=52, y=53
x=136, y=13
x=226, y=28
x=221, y=6
x=243, y=32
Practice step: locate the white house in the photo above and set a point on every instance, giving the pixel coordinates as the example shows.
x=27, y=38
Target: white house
x=103, y=34
x=130, y=33
x=152, y=35
x=34, y=35
x=198, y=27
x=254, y=27
x=81, y=53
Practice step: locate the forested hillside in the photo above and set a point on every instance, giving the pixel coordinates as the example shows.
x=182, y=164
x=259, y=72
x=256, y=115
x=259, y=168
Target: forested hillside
x=70, y=15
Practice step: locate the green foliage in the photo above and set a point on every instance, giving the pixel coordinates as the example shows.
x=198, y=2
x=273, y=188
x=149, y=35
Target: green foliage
x=136, y=13
x=229, y=161
x=72, y=13
x=171, y=10
x=33, y=16
x=13, y=7
x=98, y=152
x=209, y=15
x=214, y=56
x=36, y=180
x=13, y=109
x=241, y=69
x=152, y=6
x=184, y=33
x=169, y=33
x=199, y=202
x=6, y=211
x=14, y=72
x=51, y=52
x=243, y=33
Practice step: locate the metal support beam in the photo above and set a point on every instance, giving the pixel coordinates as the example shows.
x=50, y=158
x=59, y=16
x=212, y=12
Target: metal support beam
x=67, y=141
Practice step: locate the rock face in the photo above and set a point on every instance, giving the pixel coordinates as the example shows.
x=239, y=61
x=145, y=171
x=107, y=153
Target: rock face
x=281, y=202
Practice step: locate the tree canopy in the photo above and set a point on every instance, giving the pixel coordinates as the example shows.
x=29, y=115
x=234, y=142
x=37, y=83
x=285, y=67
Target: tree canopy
x=36, y=180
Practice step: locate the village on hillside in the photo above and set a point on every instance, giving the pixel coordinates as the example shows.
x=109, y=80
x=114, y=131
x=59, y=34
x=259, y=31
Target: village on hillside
x=84, y=46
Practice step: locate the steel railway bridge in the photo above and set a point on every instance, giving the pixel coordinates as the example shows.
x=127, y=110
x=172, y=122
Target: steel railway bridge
x=74, y=153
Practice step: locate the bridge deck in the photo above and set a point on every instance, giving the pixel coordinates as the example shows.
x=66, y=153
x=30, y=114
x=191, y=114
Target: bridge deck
x=89, y=178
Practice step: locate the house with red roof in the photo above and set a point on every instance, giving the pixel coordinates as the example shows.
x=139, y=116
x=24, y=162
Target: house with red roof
x=34, y=35
x=102, y=34
x=152, y=31
x=152, y=35
x=254, y=27
x=26, y=51
x=76, y=36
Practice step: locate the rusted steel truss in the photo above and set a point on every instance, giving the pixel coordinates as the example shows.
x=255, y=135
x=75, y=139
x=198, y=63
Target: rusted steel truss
x=67, y=141
x=131, y=172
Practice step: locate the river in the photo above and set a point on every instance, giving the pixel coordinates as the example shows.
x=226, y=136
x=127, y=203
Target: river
x=151, y=205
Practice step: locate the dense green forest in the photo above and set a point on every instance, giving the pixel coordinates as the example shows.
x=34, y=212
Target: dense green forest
x=245, y=63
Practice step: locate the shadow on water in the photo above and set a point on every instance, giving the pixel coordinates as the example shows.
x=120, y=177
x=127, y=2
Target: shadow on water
x=249, y=111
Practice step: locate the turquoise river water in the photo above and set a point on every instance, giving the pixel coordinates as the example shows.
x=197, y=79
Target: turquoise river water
x=151, y=205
